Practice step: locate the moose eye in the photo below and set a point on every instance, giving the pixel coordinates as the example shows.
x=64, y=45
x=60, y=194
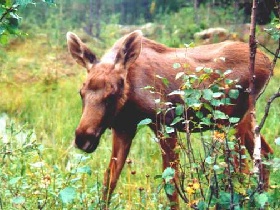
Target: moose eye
x=121, y=83
x=109, y=100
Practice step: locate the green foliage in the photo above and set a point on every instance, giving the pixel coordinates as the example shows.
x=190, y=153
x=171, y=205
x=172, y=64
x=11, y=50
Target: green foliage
x=273, y=29
x=208, y=176
x=180, y=26
x=9, y=18
x=30, y=181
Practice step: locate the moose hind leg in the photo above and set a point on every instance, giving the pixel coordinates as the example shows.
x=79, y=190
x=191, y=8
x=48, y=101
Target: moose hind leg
x=246, y=136
x=266, y=152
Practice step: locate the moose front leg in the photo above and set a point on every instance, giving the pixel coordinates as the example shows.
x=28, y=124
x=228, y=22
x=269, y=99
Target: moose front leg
x=120, y=149
x=170, y=158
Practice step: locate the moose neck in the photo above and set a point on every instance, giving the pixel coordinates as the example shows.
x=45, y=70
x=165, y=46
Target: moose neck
x=152, y=76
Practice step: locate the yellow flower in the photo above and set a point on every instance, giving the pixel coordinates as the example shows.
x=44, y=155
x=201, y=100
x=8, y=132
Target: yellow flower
x=196, y=186
x=190, y=190
x=219, y=136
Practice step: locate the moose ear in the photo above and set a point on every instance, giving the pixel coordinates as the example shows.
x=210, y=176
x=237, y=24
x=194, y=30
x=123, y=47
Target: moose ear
x=80, y=52
x=130, y=49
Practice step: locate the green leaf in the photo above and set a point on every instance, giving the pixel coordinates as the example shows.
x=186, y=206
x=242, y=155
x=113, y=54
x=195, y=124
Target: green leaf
x=168, y=174
x=225, y=198
x=209, y=160
x=49, y=1
x=2, y=10
x=176, y=65
x=228, y=81
x=208, y=70
x=163, y=79
x=178, y=75
x=67, y=195
x=233, y=93
x=39, y=164
x=84, y=170
x=179, y=110
x=146, y=121
x=277, y=141
x=193, y=102
x=18, y=200
x=188, y=92
x=24, y=2
x=75, y=180
x=177, y=92
x=205, y=121
x=217, y=94
x=261, y=199
x=199, y=68
x=176, y=120
x=216, y=167
x=219, y=115
x=3, y=39
x=227, y=72
x=158, y=177
x=234, y=120
x=15, y=180
x=201, y=205
x=81, y=157
x=215, y=88
x=230, y=145
x=207, y=94
x=190, y=45
x=199, y=114
x=226, y=101
x=208, y=107
x=2, y=30
x=169, y=188
x=169, y=129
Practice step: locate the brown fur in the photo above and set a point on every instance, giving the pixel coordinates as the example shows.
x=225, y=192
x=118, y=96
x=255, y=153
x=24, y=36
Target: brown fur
x=114, y=94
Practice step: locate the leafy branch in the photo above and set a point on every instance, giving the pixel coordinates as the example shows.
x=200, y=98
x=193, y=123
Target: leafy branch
x=8, y=11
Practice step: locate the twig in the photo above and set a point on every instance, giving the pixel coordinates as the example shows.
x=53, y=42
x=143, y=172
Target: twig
x=267, y=108
x=268, y=50
x=182, y=195
x=230, y=182
x=276, y=56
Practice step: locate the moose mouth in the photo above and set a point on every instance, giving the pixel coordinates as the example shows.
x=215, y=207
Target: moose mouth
x=87, y=143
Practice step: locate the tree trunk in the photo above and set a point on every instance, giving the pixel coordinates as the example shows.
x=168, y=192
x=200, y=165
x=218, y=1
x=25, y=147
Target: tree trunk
x=97, y=18
x=195, y=6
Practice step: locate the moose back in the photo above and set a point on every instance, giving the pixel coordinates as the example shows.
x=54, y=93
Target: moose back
x=114, y=94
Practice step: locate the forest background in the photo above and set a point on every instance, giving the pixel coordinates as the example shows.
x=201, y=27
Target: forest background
x=41, y=107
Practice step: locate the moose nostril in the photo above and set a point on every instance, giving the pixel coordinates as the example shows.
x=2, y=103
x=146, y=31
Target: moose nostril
x=86, y=132
x=78, y=132
x=90, y=132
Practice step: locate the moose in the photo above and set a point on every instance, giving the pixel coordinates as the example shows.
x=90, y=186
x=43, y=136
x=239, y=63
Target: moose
x=114, y=95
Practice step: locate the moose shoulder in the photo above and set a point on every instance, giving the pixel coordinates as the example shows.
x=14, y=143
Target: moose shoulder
x=114, y=94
